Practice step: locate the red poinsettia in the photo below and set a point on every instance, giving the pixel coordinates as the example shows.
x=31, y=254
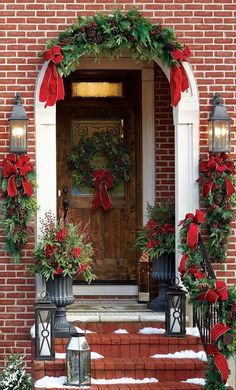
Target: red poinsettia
x=76, y=252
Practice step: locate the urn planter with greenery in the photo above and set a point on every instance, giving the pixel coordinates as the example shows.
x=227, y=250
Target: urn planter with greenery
x=157, y=239
x=63, y=252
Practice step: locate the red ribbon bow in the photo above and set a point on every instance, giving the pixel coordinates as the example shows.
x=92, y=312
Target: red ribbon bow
x=178, y=77
x=219, y=360
x=52, y=88
x=211, y=295
x=13, y=166
x=103, y=181
x=217, y=163
x=192, y=235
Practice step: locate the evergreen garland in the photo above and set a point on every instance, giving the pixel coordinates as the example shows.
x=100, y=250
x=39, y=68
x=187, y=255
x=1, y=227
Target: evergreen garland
x=110, y=35
x=17, y=181
x=198, y=284
x=217, y=176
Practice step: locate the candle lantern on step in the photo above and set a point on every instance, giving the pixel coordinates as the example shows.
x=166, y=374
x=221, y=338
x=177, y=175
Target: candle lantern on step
x=44, y=329
x=175, y=321
x=78, y=360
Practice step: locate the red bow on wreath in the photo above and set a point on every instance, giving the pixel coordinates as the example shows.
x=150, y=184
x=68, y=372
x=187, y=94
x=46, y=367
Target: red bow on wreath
x=217, y=163
x=192, y=235
x=52, y=88
x=103, y=181
x=13, y=166
x=178, y=77
x=220, y=292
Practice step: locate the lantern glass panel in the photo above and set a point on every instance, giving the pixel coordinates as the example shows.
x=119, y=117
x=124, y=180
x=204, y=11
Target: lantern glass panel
x=44, y=334
x=220, y=136
x=78, y=362
x=19, y=140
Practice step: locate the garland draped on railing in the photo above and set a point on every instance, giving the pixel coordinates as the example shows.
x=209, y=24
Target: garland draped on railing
x=217, y=178
x=110, y=36
x=17, y=181
x=213, y=299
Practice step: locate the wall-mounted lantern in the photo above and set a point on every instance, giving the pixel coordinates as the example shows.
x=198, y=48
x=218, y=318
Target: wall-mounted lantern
x=18, y=127
x=219, y=127
x=44, y=329
x=175, y=320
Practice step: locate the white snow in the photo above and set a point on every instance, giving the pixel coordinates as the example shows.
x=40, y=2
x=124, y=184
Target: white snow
x=122, y=380
x=60, y=355
x=149, y=330
x=52, y=382
x=95, y=355
x=187, y=354
x=32, y=331
x=121, y=331
x=196, y=381
x=79, y=330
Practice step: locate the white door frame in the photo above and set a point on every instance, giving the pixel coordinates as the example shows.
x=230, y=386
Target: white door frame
x=186, y=122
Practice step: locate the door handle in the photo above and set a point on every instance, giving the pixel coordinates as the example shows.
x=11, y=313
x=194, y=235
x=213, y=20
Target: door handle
x=65, y=204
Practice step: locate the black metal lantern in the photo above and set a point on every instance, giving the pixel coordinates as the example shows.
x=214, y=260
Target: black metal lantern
x=175, y=321
x=219, y=127
x=78, y=360
x=44, y=329
x=18, y=127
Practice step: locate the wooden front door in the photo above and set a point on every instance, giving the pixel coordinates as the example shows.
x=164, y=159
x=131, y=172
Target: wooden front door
x=113, y=231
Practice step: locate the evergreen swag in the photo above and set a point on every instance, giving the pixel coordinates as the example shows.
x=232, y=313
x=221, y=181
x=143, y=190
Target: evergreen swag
x=203, y=293
x=109, y=35
x=14, y=376
x=217, y=176
x=17, y=183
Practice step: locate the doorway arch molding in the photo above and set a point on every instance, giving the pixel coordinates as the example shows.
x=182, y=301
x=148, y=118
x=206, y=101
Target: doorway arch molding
x=186, y=124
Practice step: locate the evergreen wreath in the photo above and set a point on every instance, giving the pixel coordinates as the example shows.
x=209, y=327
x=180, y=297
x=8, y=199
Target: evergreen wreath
x=204, y=292
x=118, y=167
x=217, y=178
x=17, y=182
x=110, y=36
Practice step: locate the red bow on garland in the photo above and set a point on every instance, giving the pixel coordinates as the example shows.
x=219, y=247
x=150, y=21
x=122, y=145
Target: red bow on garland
x=178, y=77
x=217, y=163
x=219, y=360
x=192, y=235
x=52, y=88
x=13, y=166
x=211, y=295
x=103, y=181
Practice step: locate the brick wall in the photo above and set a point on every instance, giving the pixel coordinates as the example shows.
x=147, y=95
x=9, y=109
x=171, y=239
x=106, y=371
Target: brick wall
x=207, y=27
x=164, y=132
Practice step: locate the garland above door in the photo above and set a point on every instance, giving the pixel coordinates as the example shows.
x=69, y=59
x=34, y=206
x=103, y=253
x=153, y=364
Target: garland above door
x=110, y=35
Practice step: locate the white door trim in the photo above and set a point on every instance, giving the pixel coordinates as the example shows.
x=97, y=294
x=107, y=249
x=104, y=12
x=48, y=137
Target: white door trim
x=186, y=122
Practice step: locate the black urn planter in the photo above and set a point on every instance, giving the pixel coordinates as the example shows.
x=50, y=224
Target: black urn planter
x=60, y=290
x=163, y=270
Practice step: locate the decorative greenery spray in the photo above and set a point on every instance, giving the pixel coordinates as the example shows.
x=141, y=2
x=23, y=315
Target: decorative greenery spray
x=217, y=179
x=18, y=183
x=110, y=35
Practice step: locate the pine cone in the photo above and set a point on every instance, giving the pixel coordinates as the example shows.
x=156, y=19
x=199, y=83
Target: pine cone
x=218, y=198
x=91, y=31
x=170, y=47
x=228, y=338
x=203, y=287
x=99, y=38
x=66, y=41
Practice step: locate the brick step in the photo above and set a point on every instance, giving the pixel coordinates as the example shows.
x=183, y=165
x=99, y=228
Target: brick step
x=134, y=344
x=131, y=327
x=134, y=386
x=138, y=368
